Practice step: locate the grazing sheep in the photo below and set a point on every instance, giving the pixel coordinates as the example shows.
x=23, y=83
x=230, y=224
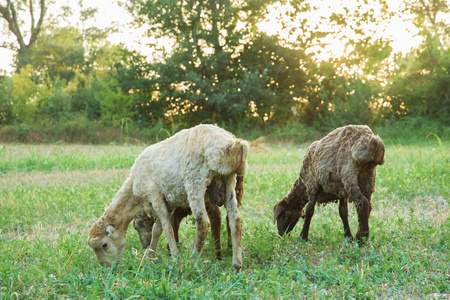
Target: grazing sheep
x=171, y=174
x=341, y=166
x=216, y=193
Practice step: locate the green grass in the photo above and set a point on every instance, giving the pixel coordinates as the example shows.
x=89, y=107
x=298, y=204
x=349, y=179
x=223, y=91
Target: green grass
x=51, y=195
x=45, y=158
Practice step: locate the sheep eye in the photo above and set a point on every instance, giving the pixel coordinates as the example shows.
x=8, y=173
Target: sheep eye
x=105, y=245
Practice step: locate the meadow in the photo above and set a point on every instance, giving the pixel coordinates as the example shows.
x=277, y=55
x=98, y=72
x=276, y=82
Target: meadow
x=50, y=195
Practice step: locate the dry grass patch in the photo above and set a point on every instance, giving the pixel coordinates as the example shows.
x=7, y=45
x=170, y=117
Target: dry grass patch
x=59, y=178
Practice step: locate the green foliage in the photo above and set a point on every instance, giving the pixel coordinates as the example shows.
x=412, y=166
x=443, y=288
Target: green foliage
x=59, y=55
x=52, y=194
x=84, y=100
x=24, y=96
x=421, y=85
x=204, y=79
x=114, y=104
x=283, y=81
x=55, y=101
x=6, y=103
x=131, y=71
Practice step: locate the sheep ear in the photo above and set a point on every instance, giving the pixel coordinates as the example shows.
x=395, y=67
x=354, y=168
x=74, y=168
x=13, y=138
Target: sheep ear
x=277, y=210
x=110, y=230
x=376, y=149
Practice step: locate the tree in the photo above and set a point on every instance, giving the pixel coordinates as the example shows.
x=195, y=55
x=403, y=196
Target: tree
x=223, y=69
x=59, y=53
x=421, y=84
x=10, y=13
x=282, y=79
x=203, y=78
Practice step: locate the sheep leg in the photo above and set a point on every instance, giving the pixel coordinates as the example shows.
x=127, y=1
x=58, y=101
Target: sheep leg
x=216, y=224
x=363, y=219
x=235, y=220
x=176, y=227
x=228, y=234
x=343, y=213
x=178, y=215
x=156, y=233
x=308, y=215
x=163, y=216
x=202, y=223
x=175, y=221
x=363, y=208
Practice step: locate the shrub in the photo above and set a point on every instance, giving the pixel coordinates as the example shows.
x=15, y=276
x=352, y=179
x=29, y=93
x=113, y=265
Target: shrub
x=6, y=107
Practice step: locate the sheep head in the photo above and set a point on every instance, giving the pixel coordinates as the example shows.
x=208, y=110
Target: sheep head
x=107, y=242
x=286, y=217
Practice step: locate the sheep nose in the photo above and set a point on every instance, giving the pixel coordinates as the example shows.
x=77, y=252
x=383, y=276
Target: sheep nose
x=105, y=262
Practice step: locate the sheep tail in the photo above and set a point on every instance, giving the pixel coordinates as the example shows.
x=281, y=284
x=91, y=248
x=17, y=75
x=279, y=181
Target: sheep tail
x=240, y=165
x=228, y=159
x=239, y=189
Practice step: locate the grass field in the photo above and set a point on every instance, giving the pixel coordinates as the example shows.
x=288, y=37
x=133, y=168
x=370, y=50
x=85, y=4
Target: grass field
x=50, y=195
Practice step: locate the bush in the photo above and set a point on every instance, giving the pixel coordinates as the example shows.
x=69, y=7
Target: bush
x=55, y=102
x=24, y=96
x=6, y=107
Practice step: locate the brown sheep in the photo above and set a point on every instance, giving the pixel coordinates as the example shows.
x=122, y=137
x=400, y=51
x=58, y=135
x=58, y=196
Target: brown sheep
x=341, y=166
x=216, y=192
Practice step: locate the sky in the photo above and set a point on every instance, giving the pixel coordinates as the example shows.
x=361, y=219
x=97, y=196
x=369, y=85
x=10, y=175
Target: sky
x=401, y=32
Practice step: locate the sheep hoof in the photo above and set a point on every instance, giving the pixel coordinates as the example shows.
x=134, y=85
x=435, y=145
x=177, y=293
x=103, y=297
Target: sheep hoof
x=237, y=267
x=304, y=237
x=362, y=240
x=150, y=253
x=194, y=254
x=350, y=238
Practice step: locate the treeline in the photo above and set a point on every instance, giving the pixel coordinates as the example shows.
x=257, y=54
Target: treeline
x=72, y=85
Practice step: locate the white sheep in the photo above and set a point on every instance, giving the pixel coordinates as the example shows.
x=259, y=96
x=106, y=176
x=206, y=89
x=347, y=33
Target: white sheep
x=175, y=173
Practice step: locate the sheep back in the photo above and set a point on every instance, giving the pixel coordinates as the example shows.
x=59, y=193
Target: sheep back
x=188, y=160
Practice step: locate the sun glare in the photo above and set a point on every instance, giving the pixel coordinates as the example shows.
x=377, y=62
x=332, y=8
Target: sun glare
x=331, y=48
x=271, y=25
x=401, y=32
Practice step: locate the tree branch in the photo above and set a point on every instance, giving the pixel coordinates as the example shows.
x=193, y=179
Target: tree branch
x=35, y=31
x=31, y=15
x=9, y=13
